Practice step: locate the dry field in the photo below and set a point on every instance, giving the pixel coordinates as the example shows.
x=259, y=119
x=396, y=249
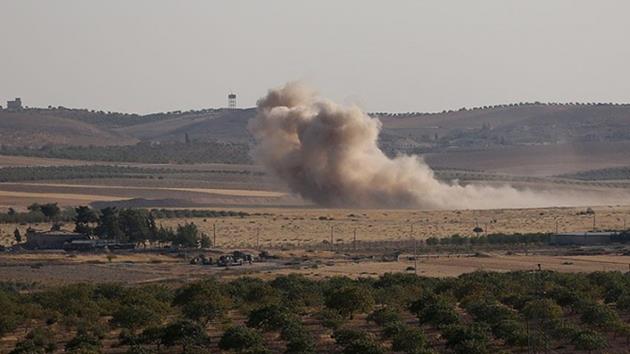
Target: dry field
x=130, y=268
x=538, y=160
x=301, y=227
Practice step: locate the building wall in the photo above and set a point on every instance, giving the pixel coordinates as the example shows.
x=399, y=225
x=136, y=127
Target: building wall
x=581, y=239
x=50, y=241
x=15, y=104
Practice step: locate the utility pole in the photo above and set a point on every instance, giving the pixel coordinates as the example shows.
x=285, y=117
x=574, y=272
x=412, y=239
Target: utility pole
x=354, y=239
x=258, y=238
x=593, y=221
x=214, y=235
x=415, y=252
x=415, y=256
x=332, y=232
x=556, y=226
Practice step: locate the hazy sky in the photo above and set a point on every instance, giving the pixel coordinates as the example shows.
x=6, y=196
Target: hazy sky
x=157, y=55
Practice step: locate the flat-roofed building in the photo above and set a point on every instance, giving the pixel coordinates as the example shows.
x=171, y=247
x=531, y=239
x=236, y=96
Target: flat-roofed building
x=51, y=240
x=14, y=105
x=583, y=238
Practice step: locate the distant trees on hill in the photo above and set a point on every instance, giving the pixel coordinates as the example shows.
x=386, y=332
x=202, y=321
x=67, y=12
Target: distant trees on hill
x=498, y=106
x=174, y=152
x=85, y=217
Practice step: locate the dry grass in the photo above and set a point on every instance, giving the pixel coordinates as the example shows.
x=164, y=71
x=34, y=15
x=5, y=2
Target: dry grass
x=301, y=226
x=305, y=226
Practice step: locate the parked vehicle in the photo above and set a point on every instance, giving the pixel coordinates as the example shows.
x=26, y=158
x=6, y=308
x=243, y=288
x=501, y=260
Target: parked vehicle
x=229, y=260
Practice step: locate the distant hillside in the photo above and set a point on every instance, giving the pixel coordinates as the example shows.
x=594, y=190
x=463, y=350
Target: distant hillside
x=524, y=124
x=533, y=139
x=28, y=128
x=221, y=125
x=478, y=128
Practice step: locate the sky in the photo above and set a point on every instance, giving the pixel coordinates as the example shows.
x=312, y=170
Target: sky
x=401, y=55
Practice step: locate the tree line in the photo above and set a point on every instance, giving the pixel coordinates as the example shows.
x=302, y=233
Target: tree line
x=52, y=212
x=145, y=152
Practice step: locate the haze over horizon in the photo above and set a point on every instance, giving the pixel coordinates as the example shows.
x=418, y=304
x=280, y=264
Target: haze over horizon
x=151, y=56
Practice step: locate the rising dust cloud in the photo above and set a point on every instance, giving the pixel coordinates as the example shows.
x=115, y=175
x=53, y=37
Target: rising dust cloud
x=328, y=153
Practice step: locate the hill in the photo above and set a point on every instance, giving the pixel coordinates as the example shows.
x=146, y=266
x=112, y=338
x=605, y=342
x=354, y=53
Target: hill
x=526, y=139
x=225, y=125
x=506, y=125
x=36, y=129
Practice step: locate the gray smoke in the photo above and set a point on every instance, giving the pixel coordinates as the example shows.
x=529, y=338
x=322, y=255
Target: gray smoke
x=328, y=153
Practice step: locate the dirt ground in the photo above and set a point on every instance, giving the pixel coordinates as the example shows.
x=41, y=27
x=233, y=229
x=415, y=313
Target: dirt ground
x=133, y=268
x=455, y=265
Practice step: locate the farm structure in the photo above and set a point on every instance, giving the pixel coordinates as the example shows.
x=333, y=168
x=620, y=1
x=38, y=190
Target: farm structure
x=51, y=240
x=14, y=105
x=70, y=241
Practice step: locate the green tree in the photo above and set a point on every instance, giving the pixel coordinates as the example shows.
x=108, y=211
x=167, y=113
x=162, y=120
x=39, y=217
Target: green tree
x=349, y=300
x=84, y=342
x=467, y=339
x=410, y=340
x=188, y=334
x=139, y=308
x=239, y=339
x=269, y=318
x=10, y=315
x=109, y=224
x=203, y=301
x=589, y=340
x=384, y=315
x=544, y=309
x=37, y=341
x=601, y=316
x=17, y=235
x=34, y=208
x=187, y=235
x=84, y=220
x=134, y=224
x=50, y=210
x=356, y=342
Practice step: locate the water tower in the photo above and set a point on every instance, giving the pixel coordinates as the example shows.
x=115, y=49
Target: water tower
x=232, y=100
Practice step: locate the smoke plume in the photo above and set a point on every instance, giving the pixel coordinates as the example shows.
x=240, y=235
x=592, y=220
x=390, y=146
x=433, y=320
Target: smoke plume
x=328, y=153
